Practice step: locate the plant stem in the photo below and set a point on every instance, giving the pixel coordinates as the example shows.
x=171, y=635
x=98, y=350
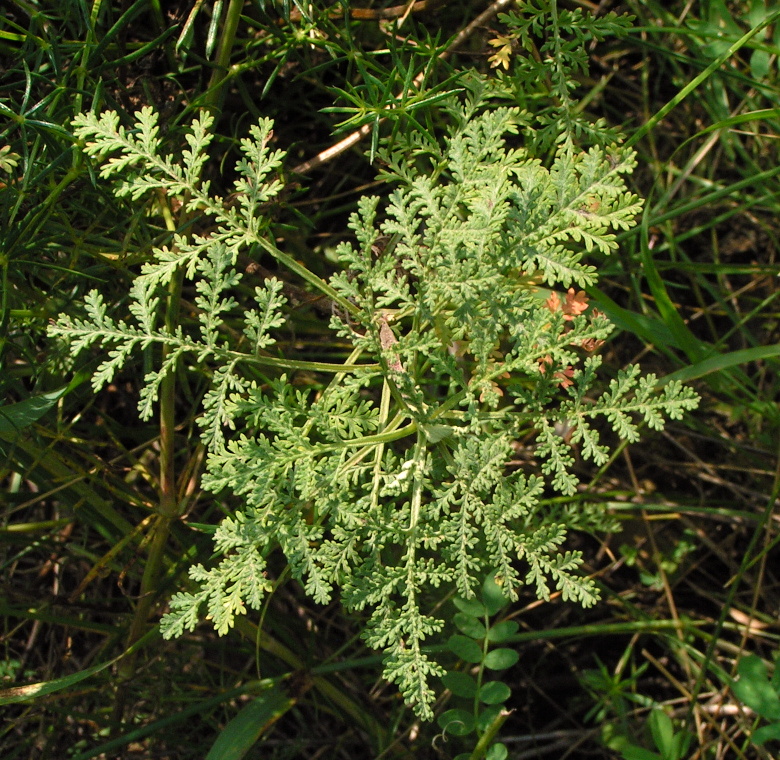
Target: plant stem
x=168, y=508
x=219, y=77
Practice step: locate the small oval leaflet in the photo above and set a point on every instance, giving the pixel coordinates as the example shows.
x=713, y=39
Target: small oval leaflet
x=501, y=659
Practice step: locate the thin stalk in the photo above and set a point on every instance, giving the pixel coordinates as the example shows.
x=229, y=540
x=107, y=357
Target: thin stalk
x=487, y=738
x=168, y=508
x=212, y=100
x=83, y=69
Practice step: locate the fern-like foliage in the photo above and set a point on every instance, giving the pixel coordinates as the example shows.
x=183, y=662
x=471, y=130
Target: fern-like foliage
x=390, y=481
x=539, y=59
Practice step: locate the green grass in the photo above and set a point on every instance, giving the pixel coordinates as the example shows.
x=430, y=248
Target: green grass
x=689, y=584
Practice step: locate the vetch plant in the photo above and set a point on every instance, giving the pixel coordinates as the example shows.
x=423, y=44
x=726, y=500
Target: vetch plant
x=462, y=298
x=761, y=693
x=613, y=692
x=478, y=644
x=671, y=744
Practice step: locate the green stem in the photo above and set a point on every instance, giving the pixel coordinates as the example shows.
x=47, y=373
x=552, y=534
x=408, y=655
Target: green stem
x=168, y=507
x=310, y=277
x=487, y=738
x=4, y=314
x=215, y=94
x=89, y=45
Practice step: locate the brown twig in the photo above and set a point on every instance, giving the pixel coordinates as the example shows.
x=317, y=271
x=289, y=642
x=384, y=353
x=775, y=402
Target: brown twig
x=370, y=14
